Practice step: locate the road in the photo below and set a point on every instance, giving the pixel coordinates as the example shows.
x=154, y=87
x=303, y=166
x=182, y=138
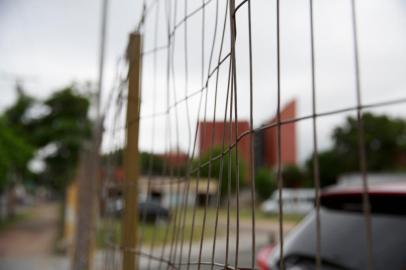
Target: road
x=263, y=232
x=30, y=243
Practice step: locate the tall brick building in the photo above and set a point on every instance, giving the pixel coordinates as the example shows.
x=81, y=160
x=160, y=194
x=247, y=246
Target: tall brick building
x=265, y=141
x=220, y=130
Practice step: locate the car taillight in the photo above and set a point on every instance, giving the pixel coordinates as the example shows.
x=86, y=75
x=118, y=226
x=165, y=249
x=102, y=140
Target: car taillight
x=263, y=257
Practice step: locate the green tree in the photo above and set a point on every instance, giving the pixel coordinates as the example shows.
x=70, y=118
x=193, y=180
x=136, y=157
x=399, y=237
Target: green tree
x=221, y=169
x=16, y=149
x=152, y=162
x=65, y=128
x=293, y=177
x=385, y=146
x=147, y=161
x=14, y=154
x=16, y=116
x=265, y=183
x=330, y=167
x=385, y=142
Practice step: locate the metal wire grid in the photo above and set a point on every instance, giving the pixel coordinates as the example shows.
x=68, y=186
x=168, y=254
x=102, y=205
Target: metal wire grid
x=176, y=250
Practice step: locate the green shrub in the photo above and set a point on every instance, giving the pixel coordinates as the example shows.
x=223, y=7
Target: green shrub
x=265, y=183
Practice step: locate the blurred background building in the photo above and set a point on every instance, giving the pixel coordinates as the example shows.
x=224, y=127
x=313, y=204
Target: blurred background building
x=216, y=134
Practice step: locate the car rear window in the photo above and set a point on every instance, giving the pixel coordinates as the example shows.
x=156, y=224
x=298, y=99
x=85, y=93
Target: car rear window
x=393, y=204
x=343, y=237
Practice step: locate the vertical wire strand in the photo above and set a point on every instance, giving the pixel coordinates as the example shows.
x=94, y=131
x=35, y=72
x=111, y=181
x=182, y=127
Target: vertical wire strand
x=203, y=131
x=172, y=251
x=167, y=124
x=229, y=161
x=252, y=152
x=234, y=89
x=186, y=189
x=152, y=146
x=221, y=171
x=220, y=177
x=116, y=156
x=279, y=150
x=212, y=138
x=316, y=167
x=193, y=154
x=194, y=207
x=366, y=207
x=112, y=164
x=197, y=120
x=151, y=161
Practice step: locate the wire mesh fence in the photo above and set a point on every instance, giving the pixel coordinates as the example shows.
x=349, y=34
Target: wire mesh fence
x=200, y=132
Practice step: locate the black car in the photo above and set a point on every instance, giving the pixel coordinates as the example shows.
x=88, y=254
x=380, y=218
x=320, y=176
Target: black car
x=344, y=242
x=148, y=211
x=152, y=212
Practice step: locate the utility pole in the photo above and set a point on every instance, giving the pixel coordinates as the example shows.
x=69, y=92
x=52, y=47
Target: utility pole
x=88, y=186
x=131, y=155
x=86, y=210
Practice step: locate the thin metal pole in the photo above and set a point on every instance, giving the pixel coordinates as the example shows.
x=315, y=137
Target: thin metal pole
x=102, y=50
x=88, y=181
x=131, y=155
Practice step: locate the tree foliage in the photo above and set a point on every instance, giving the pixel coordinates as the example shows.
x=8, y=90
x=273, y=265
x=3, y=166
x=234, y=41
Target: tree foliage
x=265, y=183
x=148, y=162
x=293, y=177
x=385, y=146
x=220, y=168
x=329, y=167
x=16, y=116
x=16, y=149
x=66, y=127
x=385, y=142
x=15, y=153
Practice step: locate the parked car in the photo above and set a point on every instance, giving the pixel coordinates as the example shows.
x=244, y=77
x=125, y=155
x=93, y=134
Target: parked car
x=343, y=232
x=294, y=201
x=151, y=211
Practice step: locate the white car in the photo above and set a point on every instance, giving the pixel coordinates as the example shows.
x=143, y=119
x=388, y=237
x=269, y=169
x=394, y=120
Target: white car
x=294, y=201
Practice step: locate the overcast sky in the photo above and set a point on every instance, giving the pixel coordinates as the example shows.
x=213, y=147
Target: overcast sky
x=51, y=43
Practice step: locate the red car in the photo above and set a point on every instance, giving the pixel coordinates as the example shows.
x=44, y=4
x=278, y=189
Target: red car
x=343, y=232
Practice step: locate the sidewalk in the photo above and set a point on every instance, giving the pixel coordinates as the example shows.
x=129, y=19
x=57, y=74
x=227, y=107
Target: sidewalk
x=29, y=243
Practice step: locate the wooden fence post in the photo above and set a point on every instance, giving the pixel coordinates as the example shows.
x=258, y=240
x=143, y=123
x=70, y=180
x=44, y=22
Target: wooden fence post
x=131, y=170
